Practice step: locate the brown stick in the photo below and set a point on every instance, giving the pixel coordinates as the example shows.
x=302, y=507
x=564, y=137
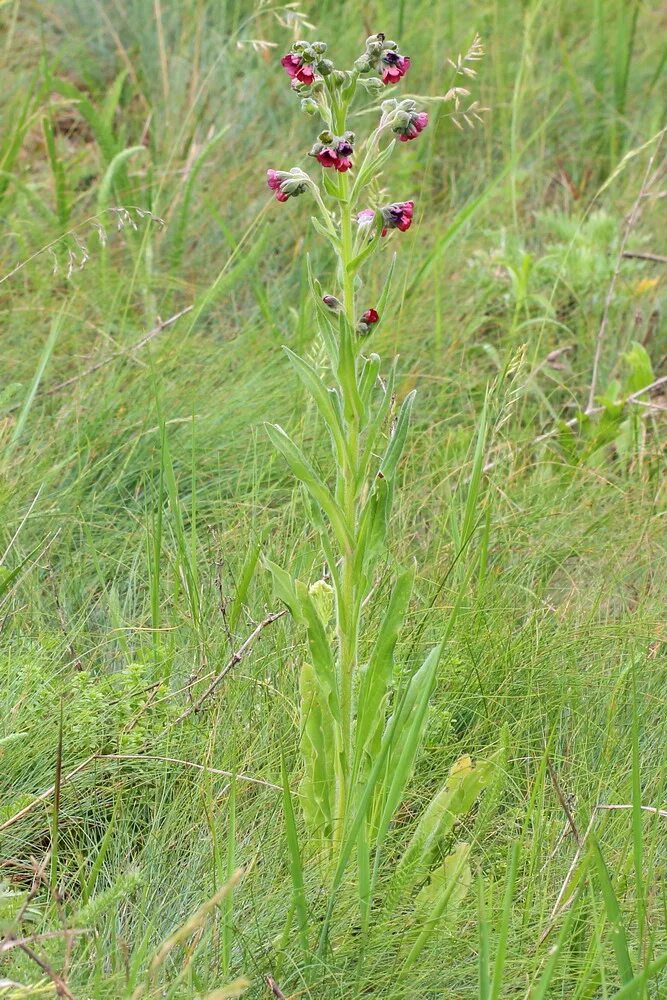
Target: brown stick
x=162, y=325
x=635, y=255
x=61, y=986
x=236, y=658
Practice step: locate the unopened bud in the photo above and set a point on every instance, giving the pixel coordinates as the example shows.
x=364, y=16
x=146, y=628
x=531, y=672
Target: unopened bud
x=319, y=47
x=339, y=77
x=372, y=85
x=308, y=106
x=331, y=302
x=325, y=67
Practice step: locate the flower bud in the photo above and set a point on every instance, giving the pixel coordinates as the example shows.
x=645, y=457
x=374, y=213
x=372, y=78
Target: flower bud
x=319, y=48
x=325, y=67
x=308, y=106
x=339, y=77
x=331, y=302
x=322, y=596
x=372, y=85
x=367, y=322
x=363, y=64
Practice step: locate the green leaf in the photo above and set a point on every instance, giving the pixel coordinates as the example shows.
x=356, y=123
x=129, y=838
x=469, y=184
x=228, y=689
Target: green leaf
x=377, y=675
x=320, y=651
x=294, y=855
x=242, y=584
x=368, y=378
x=443, y=895
x=466, y=780
x=323, y=400
x=305, y=473
x=317, y=748
x=327, y=233
x=284, y=588
x=640, y=368
x=396, y=444
x=370, y=170
x=382, y=301
x=115, y=170
x=614, y=916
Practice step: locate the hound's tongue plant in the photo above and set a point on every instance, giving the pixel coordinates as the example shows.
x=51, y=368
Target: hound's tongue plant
x=361, y=728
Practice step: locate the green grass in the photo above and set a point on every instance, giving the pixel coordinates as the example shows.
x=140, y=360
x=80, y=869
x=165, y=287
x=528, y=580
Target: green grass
x=135, y=501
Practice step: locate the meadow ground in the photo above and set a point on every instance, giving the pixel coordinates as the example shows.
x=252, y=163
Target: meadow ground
x=138, y=486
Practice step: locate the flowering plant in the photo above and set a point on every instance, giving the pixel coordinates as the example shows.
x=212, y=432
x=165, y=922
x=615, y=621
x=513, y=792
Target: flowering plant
x=361, y=726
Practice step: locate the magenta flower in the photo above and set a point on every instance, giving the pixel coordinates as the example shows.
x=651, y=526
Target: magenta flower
x=399, y=215
x=334, y=151
x=395, y=216
x=394, y=66
x=286, y=183
x=274, y=181
x=297, y=69
x=413, y=127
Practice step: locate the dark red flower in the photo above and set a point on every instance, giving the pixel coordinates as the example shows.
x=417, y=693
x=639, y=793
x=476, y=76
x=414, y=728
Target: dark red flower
x=274, y=180
x=370, y=317
x=297, y=69
x=394, y=66
x=398, y=215
x=417, y=124
x=334, y=151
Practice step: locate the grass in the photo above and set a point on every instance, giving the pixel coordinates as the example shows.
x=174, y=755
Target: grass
x=136, y=500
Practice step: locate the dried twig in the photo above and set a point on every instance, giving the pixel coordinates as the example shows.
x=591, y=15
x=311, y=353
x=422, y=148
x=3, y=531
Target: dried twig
x=635, y=255
x=563, y=801
x=581, y=843
x=162, y=325
x=275, y=989
x=61, y=986
x=43, y=796
x=236, y=658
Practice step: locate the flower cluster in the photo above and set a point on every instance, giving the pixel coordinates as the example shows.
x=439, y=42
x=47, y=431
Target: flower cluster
x=383, y=57
x=398, y=215
x=334, y=150
x=304, y=60
x=287, y=183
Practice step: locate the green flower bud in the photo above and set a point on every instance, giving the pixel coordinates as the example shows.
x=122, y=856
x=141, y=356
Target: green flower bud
x=339, y=77
x=308, y=106
x=319, y=47
x=372, y=85
x=323, y=598
x=325, y=67
x=363, y=64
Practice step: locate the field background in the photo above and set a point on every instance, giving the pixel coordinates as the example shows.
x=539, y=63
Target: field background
x=137, y=485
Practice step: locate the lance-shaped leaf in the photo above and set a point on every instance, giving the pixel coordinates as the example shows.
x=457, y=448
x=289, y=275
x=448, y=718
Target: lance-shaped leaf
x=373, y=527
x=368, y=250
x=294, y=856
x=284, y=588
x=396, y=444
x=320, y=651
x=406, y=729
x=377, y=675
x=370, y=168
x=441, y=898
x=466, y=780
x=324, y=315
x=376, y=426
x=305, y=473
x=323, y=400
x=347, y=371
x=323, y=231
x=382, y=301
x=317, y=748
x=368, y=378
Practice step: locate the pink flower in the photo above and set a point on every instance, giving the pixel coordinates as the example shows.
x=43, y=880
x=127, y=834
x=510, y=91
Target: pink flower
x=395, y=216
x=417, y=124
x=332, y=151
x=399, y=215
x=394, y=66
x=274, y=181
x=297, y=69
